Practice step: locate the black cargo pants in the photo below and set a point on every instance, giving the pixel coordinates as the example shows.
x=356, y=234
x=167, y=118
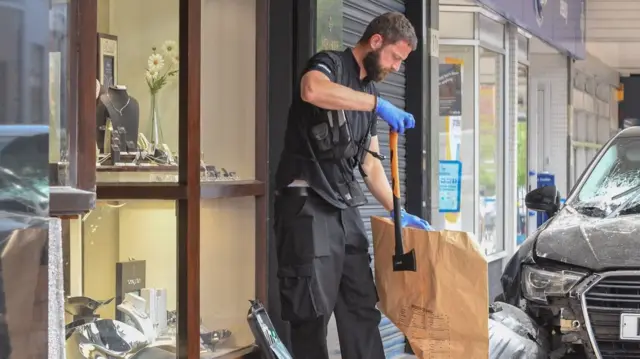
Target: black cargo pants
x=324, y=268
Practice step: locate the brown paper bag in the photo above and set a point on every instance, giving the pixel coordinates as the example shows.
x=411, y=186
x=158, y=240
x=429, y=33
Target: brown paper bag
x=443, y=307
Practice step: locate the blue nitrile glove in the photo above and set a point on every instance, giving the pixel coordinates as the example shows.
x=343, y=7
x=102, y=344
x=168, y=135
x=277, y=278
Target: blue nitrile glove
x=398, y=119
x=409, y=220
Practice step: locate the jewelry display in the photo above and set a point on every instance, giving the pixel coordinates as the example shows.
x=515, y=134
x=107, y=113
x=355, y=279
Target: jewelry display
x=156, y=306
x=114, y=106
x=134, y=308
x=209, y=340
x=116, y=111
x=89, y=336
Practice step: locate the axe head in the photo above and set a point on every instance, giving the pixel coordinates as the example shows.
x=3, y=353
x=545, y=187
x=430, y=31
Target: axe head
x=405, y=262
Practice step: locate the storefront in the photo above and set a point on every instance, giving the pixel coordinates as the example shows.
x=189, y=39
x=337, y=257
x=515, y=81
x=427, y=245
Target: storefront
x=504, y=105
x=158, y=157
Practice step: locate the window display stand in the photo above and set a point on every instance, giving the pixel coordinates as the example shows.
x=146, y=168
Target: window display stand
x=182, y=194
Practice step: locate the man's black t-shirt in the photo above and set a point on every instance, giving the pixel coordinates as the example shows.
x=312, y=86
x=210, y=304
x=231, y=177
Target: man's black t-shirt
x=298, y=160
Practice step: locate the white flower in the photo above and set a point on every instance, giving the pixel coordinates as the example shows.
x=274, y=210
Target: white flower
x=155, y=63
x=151, y=76
x=175, y=59
x=170, y=47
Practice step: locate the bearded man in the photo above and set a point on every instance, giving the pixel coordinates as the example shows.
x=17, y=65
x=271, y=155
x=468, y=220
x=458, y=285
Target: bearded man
x=322, y=245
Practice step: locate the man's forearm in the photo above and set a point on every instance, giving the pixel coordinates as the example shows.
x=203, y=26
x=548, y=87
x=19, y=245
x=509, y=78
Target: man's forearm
x=379, y=186
x=331, y=96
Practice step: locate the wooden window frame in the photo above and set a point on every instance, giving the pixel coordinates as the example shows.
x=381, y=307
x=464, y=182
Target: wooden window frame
x=188, y=191
x=67, y=201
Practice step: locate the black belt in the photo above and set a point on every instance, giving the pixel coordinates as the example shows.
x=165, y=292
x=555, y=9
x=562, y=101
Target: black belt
x=294, y=191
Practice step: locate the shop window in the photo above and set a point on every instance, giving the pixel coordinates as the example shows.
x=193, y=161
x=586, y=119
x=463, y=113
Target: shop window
x=137, y=105
x=523, y=47
x=57, y=71
x=228, y=271
x=121, y=268
x=457, y=131
x=138, y=134
x=61, y=98
x=228, y=79
x=457, y=25
x=491, y=32
x=522, y=155
x=24, y=134
x=228, y=144
x=491, y=153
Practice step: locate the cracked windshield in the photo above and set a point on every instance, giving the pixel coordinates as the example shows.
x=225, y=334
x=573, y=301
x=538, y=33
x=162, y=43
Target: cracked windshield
x=613, y=187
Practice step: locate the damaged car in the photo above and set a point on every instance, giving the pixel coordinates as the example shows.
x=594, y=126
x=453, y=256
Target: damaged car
x=578, y=276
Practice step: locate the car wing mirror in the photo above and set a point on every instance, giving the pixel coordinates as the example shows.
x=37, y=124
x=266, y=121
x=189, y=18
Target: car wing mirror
x=543, y=199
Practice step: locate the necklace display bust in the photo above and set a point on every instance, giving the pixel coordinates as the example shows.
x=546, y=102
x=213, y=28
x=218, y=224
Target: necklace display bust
x=124, y=112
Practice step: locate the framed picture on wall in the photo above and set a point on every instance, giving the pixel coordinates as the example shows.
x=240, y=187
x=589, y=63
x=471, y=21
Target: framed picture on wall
x=107, y=59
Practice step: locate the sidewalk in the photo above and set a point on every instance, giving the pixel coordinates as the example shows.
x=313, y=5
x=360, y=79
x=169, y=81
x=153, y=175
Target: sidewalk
x=333, y=343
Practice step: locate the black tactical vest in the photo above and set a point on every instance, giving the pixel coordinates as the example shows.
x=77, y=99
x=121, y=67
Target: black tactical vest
x=324, y=147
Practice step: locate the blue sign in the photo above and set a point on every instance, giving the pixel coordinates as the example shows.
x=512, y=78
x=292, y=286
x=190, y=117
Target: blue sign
x=545, y=179
x=450, y=186
x=561, y=23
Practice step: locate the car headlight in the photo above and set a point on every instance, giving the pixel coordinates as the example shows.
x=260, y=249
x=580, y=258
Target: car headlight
x=538, y=284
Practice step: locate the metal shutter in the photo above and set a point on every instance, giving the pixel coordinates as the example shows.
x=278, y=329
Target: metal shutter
x=356, y=16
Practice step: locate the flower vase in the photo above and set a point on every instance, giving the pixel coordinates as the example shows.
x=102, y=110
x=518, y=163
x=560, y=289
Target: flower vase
x=156, y=139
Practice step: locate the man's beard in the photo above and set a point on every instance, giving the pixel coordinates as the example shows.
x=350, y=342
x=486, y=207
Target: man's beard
x=371, y=63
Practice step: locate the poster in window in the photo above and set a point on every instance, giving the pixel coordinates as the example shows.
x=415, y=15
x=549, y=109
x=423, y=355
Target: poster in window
x=450, y=85
x=107, y=59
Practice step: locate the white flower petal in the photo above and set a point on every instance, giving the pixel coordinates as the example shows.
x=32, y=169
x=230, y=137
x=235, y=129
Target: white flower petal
x=170, y=47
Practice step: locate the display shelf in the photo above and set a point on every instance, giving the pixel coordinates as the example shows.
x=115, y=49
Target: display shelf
x=160, y=190
x=227, y=189
x=139, y=190
x=159, y=174
x=68, y=201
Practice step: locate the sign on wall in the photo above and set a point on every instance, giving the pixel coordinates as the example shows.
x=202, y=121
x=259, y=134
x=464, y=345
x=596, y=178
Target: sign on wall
x=559, y=22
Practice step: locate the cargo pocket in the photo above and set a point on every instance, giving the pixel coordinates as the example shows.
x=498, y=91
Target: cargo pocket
x=299, y=293
x=321, y=138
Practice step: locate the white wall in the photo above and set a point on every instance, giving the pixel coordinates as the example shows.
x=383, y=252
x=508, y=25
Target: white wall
x=549, y=73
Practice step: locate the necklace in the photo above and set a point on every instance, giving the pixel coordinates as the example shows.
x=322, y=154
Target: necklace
x=114, y=106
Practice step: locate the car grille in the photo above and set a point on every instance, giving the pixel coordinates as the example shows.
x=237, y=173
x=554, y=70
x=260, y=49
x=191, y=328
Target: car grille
x=605, y=301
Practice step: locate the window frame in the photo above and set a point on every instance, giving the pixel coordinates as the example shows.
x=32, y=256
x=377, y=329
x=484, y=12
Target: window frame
x=189, y=190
